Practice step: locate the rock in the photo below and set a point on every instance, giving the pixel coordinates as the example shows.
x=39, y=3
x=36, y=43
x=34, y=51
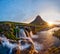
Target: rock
x=16, y=51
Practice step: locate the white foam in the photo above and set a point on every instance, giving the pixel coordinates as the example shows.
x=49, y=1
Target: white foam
x=23, y=47
x=34, y=36
x=38, y=46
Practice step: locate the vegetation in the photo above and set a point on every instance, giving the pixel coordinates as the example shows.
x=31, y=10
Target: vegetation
x=53, y=50
x=8, y=29
x=57, y=33
x=1, y=30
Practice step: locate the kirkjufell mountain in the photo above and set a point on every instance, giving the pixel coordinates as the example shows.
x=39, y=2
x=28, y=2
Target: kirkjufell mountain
x=38, y=21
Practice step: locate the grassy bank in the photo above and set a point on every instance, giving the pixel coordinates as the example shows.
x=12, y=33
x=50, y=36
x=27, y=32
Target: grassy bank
x=57, y=33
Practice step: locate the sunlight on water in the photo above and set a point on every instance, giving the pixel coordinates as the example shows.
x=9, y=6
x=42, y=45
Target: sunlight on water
x=48, y=39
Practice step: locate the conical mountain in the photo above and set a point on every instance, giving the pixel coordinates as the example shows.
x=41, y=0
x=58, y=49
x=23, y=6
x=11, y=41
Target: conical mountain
x=38, y=21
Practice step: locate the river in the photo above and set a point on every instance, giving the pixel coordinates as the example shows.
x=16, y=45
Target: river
x=46, y=39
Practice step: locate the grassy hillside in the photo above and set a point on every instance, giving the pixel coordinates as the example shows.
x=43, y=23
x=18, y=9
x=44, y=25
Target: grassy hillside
x=8, y=29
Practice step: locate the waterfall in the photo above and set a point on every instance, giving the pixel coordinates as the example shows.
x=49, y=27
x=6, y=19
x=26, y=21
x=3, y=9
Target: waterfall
x=22, y=33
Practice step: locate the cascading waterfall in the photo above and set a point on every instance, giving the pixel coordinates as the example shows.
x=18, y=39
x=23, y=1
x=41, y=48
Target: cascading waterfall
x=22, y=33
x=5, y=42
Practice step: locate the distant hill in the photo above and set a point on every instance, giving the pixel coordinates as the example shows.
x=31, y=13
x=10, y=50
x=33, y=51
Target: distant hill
x=38, y=21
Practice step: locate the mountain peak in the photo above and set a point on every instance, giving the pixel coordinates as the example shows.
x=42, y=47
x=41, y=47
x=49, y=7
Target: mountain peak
x=38, y=20
x=38, y=16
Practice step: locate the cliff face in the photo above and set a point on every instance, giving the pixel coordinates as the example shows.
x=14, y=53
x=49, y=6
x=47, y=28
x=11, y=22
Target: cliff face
x=38, y=21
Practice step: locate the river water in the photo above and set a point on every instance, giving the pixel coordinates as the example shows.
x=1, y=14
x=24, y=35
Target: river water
x=46, y=39
x=42, y=40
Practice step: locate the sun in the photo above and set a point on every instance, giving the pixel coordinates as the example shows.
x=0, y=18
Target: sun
x=50, y=23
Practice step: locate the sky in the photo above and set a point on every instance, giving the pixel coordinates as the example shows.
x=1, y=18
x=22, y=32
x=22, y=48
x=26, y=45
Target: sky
x=27, y=10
